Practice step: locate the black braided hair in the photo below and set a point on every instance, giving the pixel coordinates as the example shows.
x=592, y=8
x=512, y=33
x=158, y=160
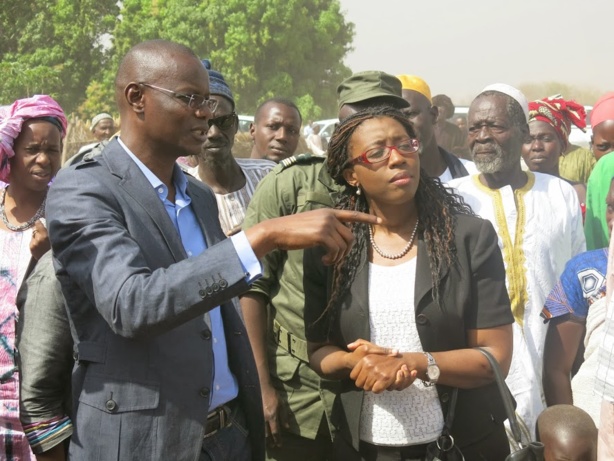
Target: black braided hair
x=436, y=205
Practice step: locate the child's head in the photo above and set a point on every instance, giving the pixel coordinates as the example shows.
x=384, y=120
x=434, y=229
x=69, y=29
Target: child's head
x=568, y=433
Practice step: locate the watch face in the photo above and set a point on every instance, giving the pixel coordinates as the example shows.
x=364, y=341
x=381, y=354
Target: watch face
x=432, y=371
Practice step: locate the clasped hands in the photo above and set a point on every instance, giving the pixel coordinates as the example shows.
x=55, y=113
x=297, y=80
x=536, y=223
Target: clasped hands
x=376, y=369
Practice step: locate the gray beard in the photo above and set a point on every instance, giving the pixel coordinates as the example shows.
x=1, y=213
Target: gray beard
x=500, y=162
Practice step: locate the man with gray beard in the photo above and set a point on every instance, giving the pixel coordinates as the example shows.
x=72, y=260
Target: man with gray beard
x=538, y=219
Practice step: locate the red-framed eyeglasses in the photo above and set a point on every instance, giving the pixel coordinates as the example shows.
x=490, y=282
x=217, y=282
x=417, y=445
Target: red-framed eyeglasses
x=383, y=153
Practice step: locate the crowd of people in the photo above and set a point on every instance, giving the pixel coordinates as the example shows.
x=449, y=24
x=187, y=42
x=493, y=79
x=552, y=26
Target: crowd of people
x=163, y=299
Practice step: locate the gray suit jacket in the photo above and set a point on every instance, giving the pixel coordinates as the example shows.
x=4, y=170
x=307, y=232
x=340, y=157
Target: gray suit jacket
x=139, y=308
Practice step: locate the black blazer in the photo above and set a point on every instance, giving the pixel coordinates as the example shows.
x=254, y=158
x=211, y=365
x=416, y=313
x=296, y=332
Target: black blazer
x=472, y=296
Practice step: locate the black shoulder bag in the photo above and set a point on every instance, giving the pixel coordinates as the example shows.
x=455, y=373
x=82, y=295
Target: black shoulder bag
x=444, y=448
x=534, y=451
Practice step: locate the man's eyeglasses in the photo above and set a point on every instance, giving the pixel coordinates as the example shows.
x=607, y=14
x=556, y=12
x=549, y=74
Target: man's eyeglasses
x=223, y=122
x=194, y=101
x=383, y=153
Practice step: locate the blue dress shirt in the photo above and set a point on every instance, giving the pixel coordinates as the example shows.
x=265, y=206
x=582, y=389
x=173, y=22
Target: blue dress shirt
x=225, y=387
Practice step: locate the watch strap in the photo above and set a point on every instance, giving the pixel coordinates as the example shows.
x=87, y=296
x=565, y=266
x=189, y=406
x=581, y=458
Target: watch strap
x=430, y=361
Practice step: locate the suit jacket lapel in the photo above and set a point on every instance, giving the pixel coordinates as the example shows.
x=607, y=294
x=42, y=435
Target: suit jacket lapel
x=424, y=282
x=359, y=298
x=135, y=184
x=202, y=206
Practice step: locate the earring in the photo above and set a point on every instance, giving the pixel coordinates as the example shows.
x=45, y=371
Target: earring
x=358, y=191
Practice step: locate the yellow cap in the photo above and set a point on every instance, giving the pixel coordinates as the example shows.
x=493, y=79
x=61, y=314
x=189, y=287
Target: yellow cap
x=411, y=82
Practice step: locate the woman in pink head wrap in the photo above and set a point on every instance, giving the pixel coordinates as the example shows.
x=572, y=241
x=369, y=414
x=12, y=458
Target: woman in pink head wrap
x=550, y=121
x=31, y=134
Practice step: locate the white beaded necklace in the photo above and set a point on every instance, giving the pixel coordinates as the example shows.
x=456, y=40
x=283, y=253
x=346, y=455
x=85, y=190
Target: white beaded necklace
x=398, y=255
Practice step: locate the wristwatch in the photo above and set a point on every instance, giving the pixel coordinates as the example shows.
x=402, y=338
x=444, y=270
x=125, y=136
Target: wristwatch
x=432, y=370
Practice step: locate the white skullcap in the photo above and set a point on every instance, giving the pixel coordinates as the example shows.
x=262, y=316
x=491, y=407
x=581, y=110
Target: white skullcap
x=99, y=118
x=513, y=93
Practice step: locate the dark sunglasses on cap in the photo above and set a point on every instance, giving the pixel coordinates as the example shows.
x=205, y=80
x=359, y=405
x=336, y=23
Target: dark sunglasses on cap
x=224, y=122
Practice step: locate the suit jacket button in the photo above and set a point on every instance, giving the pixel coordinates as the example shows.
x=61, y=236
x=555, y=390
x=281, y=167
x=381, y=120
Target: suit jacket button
x=223, y=283
x=445, y=397
x=204, y=392
x=422, y=320
x=202, y=293
x=205, y=334
x=110, y=405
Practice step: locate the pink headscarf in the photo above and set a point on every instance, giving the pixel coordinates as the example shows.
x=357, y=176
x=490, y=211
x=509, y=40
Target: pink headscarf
x=13, y=118
x=603, y=109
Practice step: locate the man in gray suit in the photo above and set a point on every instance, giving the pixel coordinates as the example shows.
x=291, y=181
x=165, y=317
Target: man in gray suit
x=164, y=367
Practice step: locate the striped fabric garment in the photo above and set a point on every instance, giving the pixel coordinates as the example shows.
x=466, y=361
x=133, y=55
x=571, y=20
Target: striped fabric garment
x=232, y=206
x=44, y=435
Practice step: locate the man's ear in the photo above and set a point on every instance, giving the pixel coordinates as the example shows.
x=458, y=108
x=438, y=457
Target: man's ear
x=252, y=130
x=134, y=97
x=434, y=110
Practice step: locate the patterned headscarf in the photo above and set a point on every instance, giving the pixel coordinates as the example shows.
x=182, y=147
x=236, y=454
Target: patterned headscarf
x=558, y=113
x=13, y=117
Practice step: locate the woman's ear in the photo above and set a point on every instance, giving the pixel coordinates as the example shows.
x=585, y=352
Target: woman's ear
x=350, y=177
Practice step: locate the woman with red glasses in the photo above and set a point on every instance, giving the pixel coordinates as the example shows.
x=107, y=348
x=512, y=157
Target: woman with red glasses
x=395, y=321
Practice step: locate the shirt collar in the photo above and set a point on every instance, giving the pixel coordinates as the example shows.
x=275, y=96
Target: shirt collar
x=179, y=179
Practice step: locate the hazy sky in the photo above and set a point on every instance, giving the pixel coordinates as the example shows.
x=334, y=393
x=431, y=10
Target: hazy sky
x=459, y=47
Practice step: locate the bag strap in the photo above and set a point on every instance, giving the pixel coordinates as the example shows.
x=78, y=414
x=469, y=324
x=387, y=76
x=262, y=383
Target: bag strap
x=445, y=442
x=451, y=410
x=506, y=396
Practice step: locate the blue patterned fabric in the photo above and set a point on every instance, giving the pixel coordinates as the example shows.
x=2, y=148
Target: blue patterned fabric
x=580, y=285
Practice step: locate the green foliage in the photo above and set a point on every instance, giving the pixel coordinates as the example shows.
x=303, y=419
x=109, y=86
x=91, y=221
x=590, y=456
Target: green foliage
x=99, y=99
x=308, y=107
x=23, y=81
x=54, y=47
x=265, y=48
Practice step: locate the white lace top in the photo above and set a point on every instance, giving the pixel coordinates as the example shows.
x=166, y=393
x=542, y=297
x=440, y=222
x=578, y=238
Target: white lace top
x=412, y=416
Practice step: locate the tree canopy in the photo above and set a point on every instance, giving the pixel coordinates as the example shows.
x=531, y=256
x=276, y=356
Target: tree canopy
x=264, y=48
x=53, y=47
